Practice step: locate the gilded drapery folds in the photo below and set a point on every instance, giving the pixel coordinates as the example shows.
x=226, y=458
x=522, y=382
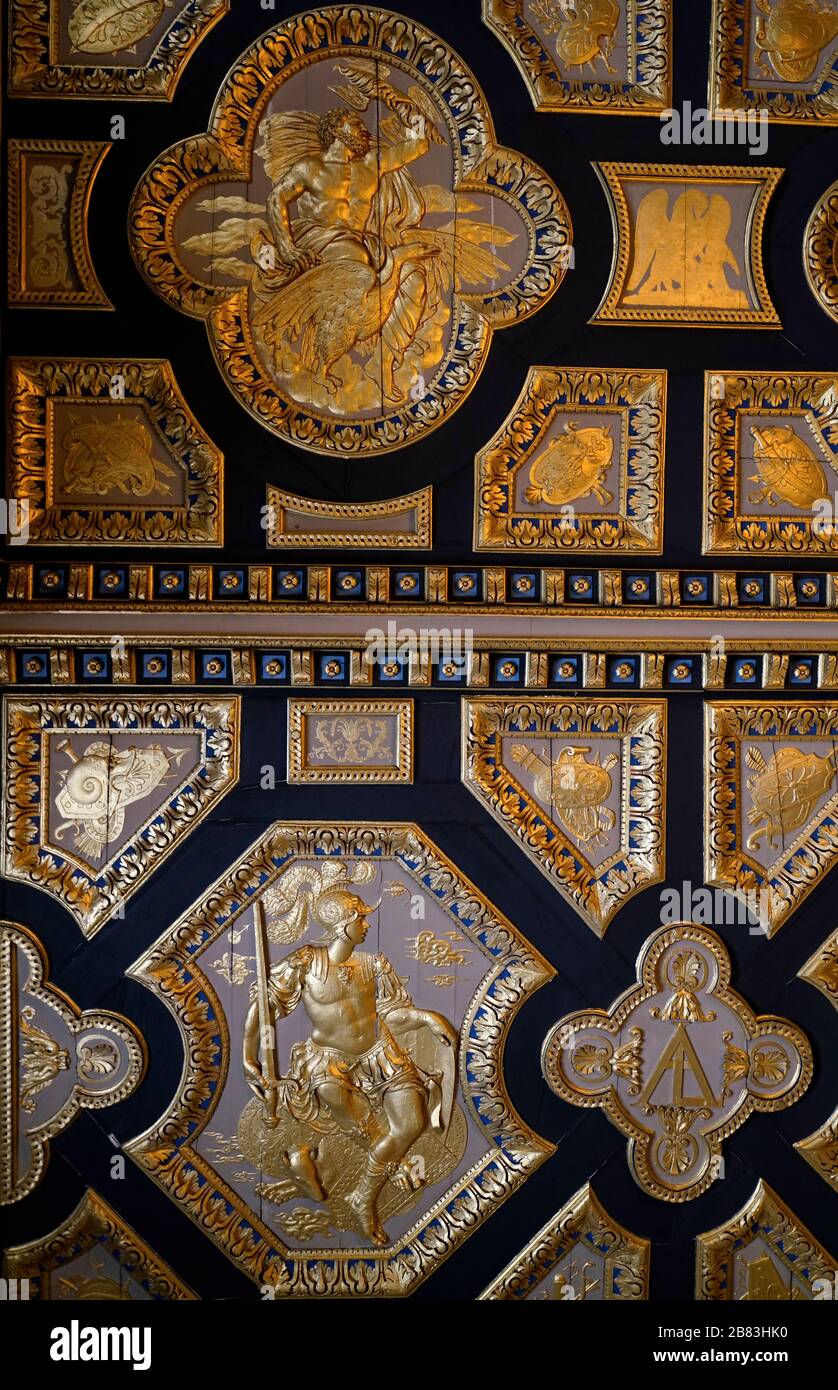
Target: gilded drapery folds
x=350, y=231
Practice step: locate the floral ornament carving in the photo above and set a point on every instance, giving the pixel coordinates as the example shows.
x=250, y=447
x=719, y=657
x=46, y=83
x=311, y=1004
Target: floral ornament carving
x=94, y=1254
x=49, y=258
x=350, y=741
x=678, y=1063
x=765, y=1253
x=99, y=791
x=57, y=1060
x=105, y=49
x=820, y=251
x=771, y=805
x=235, y=1148
x=581, y=1254
x=337, y=335
x=580, y=785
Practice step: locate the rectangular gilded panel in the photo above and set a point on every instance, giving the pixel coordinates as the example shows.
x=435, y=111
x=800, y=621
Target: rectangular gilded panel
x=350, y=741
x=49, y=261
x=397, y=523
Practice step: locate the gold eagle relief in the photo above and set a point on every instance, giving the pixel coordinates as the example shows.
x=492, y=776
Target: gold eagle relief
x=682, y=254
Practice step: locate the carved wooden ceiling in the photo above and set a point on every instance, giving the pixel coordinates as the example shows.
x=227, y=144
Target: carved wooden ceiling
x=417, y=620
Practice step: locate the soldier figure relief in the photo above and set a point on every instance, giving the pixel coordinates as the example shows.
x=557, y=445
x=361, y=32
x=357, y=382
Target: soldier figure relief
x=343, y=1120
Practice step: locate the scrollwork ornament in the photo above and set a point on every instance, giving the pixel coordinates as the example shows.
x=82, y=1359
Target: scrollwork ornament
x=820, y=251
x=678, y=1062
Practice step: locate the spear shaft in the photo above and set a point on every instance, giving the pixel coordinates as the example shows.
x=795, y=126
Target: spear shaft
x=267, y=1035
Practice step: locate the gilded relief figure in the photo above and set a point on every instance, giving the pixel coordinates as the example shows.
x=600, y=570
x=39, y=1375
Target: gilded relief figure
x=785, y=791
x=99, y=786
x=584, y=29
x=356, y=1078
x=350, y=291
x=792, y=34
x=112, y=455
x=680, y=258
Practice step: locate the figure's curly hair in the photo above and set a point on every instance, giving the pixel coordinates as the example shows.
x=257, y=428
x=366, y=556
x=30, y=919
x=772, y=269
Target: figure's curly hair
x=329, y=124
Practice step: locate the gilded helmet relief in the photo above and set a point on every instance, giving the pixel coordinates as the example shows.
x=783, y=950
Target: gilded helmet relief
x=350, y=231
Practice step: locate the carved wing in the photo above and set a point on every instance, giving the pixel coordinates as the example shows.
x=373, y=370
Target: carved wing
x=653, y=234
x=285, y=138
